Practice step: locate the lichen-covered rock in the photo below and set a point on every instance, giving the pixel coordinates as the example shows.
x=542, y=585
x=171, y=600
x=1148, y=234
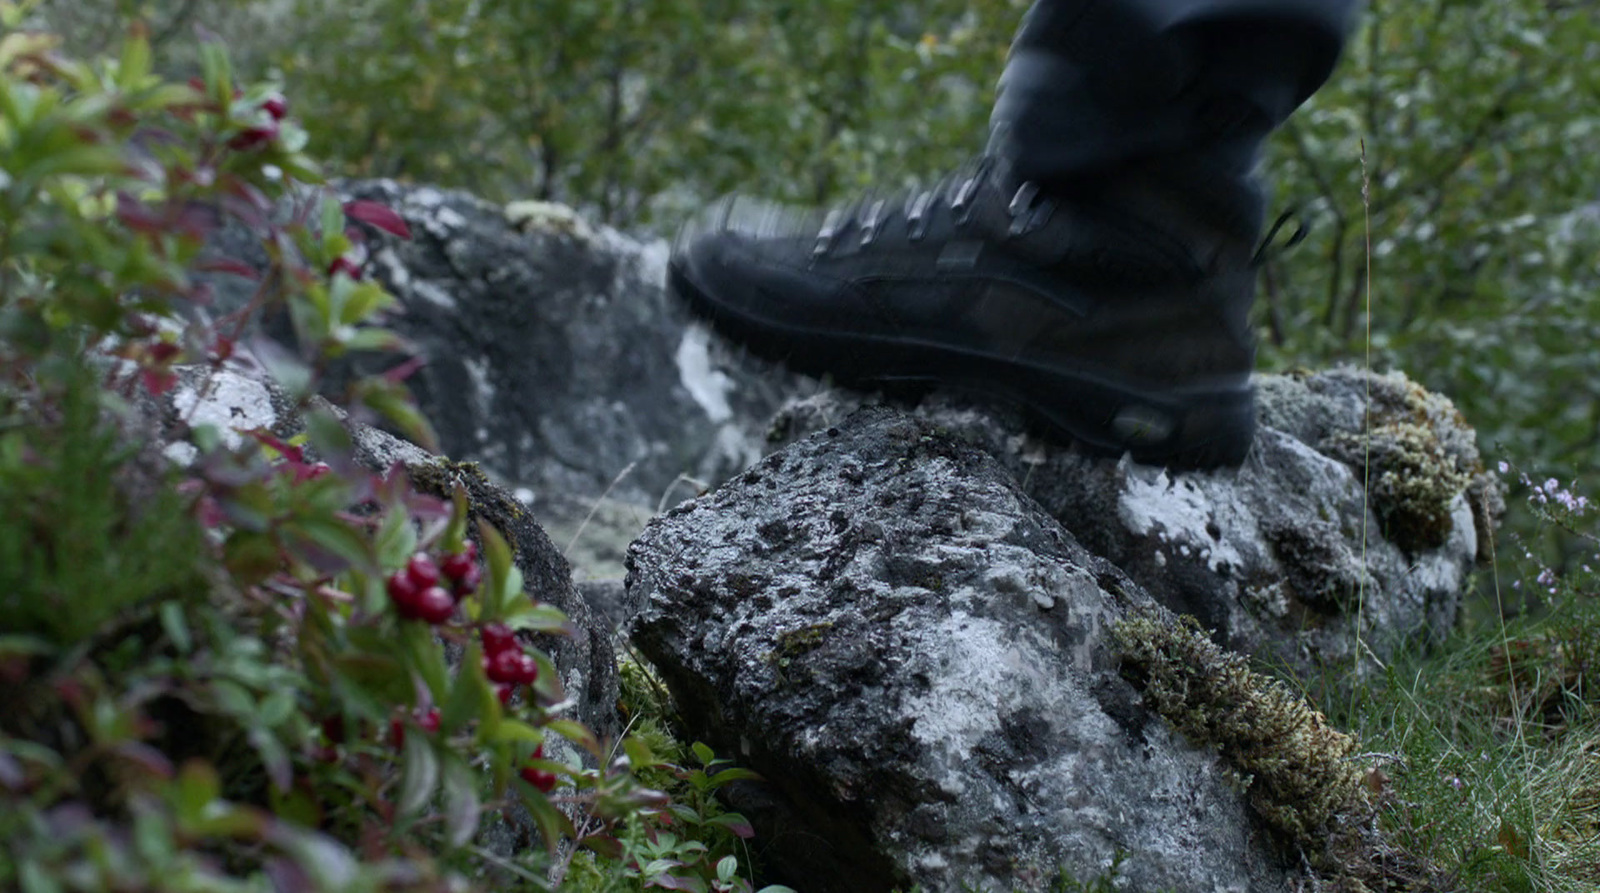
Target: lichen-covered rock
x=235, y=403
x=557, y=359
x=920, y=661
x=1286, y=557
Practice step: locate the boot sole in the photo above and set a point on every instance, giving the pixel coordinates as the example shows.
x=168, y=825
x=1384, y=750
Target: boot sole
x=1180, y=428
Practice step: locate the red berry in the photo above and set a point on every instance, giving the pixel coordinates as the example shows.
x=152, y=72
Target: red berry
x=504, y=693
x=512, y=666
x=422, y=570
x=428, y=722
x=403, y=593
x=467, y=583
x=276, y=106
x=529, y=673
x=544, y=781
x=503, y=666
x=434, y=605
x=498, y=637
x=345, y=265
x=333, y=728
x=254, y=137
x=457, y=565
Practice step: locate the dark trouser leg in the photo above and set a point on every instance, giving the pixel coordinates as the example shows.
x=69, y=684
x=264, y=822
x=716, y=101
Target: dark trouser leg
x=1094, y=84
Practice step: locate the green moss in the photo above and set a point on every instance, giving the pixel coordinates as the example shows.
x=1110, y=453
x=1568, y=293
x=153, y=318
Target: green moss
x=1299, y=770
x=797, y=642
x=1417, y=457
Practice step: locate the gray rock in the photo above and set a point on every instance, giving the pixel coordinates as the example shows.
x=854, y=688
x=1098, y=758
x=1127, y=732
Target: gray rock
x=1284, y=558
x=556, y=357
x=916, y=656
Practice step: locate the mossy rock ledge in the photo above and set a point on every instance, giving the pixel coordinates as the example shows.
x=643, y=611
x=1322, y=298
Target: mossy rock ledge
x=1286, y=559
x=943, y=687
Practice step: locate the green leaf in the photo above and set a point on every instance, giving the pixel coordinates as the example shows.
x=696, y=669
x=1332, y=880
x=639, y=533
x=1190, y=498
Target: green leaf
x=276, y=708
x=548, y=686
x=513, y=730
x=365, y=299
x=36, y=879
x=176, y=626
x=576, y=732
x=526, y=614
x=22, y=645
x=372, y=678
x=607, y=846
x=328, y=436
x=728, y=776
x=419, y=774
x=397, y=538
x=640, y=756
x=337, y=536
x=461, y=804
x=553, y=825
x=82, y=161
x=469, y=695
x=193, y=790
x=216, y=71
x=331, y=223
x=426, y=657
x=134, y=66
x=497, y=554
x=372, y=338
x=274, y=757
x=702, y=753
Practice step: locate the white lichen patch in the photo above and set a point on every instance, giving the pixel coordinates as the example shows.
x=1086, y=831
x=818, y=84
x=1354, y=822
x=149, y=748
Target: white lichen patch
x=433, y=294
x=230, y=403
x=1180, y=512
x=708, y=385
x=550, y=217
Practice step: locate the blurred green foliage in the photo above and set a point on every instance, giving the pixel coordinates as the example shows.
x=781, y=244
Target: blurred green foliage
x=1481, y=123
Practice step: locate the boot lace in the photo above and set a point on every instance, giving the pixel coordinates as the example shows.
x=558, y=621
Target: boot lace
x=956, y=192
x=1266, y=252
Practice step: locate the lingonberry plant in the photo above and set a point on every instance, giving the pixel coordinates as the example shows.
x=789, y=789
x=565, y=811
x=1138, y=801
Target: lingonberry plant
x=225, y=661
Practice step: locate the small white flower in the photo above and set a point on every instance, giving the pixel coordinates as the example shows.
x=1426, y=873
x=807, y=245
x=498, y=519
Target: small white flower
x=1504, y=468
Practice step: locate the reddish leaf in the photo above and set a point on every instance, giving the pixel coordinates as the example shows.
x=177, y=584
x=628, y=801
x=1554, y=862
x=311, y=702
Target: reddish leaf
x=378, y=215
x=405, y=370
x=157, y=381
x=292, y=453
x=737, y=824
x=604, y=844
x=163, y=351
x=138, y=216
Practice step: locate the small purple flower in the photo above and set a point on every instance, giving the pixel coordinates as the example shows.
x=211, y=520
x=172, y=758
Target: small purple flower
x=1552, y=485
x=1504, y=468
x=1547, y=577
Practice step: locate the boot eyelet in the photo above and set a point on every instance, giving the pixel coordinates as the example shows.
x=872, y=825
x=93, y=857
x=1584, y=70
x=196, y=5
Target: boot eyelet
x=917, y=216
x=873, y=223
x=825, y=236
x=962, y=203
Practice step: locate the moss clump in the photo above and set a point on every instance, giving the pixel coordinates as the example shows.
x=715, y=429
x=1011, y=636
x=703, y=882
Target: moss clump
x=1298, y=768
x=1412, y=481
x=1418, y=455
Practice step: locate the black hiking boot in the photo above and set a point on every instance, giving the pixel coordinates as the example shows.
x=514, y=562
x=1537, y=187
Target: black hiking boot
x=1114, y=310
